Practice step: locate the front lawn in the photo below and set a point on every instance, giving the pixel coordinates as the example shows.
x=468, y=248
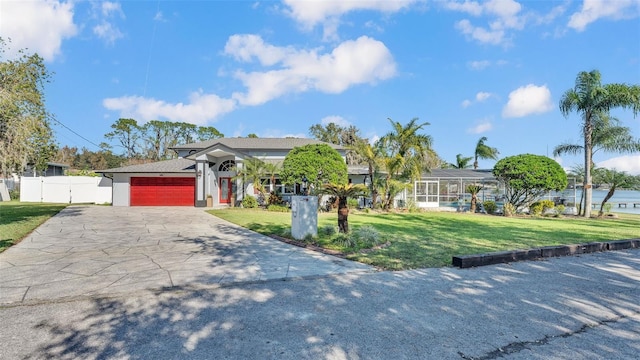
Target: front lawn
x=18, y=219
x=430, y=239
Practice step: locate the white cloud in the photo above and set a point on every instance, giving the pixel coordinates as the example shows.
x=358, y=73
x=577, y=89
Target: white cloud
x=482, y=96
x=503, y=15
x=479, y=64
x=106, y=29
x=493, y=37
x=480, y=128
x=336, y=119
x=40, y=26
x=309, y=14
x=352, y=62
x=528, y=100
x=593, y=10
x=628, y=163
x=201, y=108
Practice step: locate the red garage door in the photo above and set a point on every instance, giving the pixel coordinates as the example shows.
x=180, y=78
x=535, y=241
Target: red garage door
x=162, y=191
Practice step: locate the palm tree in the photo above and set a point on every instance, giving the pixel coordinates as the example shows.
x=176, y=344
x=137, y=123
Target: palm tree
x=272, y=169
x=251, y=171
x=590, y=98
x=462, y=162
x=474, y=190
x=484, y=151
x=370, y=155
x=607, y=136
x=615, y=179
x=412, y=150
x=343, y=192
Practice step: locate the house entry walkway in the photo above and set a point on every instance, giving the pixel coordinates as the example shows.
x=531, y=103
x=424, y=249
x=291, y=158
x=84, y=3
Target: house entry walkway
x=103, y=250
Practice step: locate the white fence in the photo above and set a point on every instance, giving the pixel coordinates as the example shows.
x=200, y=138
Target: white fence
x=65, y=189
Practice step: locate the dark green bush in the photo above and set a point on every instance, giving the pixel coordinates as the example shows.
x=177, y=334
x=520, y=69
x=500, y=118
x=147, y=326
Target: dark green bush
x=490, y=207
x=275, y=198
x=249, y=202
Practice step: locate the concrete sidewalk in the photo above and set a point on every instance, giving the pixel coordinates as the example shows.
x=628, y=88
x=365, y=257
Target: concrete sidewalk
x=103, y=250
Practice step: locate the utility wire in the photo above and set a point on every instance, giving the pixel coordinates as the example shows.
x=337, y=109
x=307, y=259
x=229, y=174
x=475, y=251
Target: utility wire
x=82, y=137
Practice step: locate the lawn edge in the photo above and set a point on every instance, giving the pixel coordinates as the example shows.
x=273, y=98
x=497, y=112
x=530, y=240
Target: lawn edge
x=509, y=256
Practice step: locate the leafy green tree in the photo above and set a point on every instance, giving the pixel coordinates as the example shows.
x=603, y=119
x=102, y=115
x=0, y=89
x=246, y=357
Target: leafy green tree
x=527, y=177
x=252, y=136
x=615, y=180
x=25, y=131
x=343, y=192
x=208, y=132
x=590, y=98
x=462, y=162
x=318, y=163
x=127, y=133
x=339, y=135
x=483, y=151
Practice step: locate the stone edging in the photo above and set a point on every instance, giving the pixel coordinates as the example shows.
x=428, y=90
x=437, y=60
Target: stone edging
x=501, y=257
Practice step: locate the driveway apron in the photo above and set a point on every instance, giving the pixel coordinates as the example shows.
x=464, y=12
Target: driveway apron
x=103, y=250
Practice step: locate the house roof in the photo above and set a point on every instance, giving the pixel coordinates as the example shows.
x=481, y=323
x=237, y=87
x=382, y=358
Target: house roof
x=166, y=166
x=461, y=173
x=254, y=144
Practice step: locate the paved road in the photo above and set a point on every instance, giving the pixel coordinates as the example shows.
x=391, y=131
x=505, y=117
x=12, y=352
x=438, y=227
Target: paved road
x=103, y=250
x=581, y=307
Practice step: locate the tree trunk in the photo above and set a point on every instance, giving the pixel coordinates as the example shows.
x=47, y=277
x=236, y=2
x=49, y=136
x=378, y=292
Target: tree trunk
x=474, y=201
x=587, y=190
x=343, y=215
x=606, y=198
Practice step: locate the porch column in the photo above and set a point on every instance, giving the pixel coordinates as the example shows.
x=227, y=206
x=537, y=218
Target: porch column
x=201, y=183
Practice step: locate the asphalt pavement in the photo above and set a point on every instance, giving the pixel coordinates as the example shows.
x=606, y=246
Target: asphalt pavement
x=577, y=307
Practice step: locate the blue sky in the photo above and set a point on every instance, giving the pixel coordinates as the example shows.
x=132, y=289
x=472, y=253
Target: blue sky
x=470, y=68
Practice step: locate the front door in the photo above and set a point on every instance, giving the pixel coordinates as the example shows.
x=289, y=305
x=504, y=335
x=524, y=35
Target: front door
x=225, y=190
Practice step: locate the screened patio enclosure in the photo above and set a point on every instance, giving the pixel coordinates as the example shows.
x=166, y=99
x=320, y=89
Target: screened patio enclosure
x=446, y=189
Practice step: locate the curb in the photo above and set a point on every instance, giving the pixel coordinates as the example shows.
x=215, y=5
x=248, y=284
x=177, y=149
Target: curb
x=502, y=257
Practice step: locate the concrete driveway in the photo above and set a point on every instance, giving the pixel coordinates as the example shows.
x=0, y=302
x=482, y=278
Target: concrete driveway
x=101, y=250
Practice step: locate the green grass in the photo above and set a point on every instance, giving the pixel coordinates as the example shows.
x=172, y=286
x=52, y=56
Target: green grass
x=430, y=239
x=18, y=220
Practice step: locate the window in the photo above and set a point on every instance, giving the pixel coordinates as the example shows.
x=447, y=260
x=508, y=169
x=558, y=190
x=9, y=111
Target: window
x=227, y=165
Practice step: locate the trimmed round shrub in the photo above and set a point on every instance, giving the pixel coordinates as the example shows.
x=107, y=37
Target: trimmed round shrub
x=249, y=202
x=490, y=207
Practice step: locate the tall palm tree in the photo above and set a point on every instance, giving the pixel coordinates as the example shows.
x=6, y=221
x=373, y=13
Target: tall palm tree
x=251, y=171
x=411, y=149
x=462, y=162
x=484, y=151
x=272, y=169
x=343, y=192
x=607, y=136
x=370, y=155
x=589, y=98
